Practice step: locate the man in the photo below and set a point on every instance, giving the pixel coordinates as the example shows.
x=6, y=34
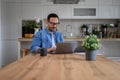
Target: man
x=49, y=37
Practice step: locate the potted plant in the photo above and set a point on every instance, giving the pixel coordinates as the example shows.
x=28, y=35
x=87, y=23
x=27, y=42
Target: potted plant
x=30, y=27
x=104, y=25
x=104, y=29
x=91, y=44
x=84, y=28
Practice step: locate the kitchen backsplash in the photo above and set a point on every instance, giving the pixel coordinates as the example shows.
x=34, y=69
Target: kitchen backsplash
x=72, y=28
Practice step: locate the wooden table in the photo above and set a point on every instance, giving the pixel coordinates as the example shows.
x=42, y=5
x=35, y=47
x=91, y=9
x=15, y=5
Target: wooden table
x=61, y=67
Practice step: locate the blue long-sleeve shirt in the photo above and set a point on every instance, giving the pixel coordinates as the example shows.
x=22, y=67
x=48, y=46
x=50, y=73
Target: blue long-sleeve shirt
x=43, y=39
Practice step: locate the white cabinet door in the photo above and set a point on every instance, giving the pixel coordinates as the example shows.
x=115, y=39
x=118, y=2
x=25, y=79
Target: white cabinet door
x=0, y=39
x=116, y=12
x=106, y=12
x=12, y=21
x=32, y=1
x=82, y=2
x=11, y=31
x=116, y=2
x=63, y=11
x=25, y=1
x=93, y=10
x=88, y=2
x=105, y=2
x=91, y=2
x=32, y=10
x=9, y=53
x=12, y=0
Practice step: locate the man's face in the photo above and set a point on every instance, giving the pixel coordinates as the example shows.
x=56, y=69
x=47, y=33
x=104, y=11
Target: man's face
x=53, y=24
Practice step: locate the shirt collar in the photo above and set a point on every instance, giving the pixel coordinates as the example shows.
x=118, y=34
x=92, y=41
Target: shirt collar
x=49, y=31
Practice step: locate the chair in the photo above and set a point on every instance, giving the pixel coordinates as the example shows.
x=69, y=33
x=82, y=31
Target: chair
x=79, y=47
x=25, y=52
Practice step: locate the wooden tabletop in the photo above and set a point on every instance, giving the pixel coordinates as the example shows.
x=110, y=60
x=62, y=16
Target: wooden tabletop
x=61, y=67
x=70, y=39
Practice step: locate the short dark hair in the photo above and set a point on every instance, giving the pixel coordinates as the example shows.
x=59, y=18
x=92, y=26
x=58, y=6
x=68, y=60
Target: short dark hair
x=52, y=15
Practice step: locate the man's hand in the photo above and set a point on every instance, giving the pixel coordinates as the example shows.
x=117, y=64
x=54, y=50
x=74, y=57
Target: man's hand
x=51, y=49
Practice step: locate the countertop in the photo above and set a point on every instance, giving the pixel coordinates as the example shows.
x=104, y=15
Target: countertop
x=61, y=67
x=73, y=39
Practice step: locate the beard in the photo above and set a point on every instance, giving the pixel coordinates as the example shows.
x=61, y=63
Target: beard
x=52, y=29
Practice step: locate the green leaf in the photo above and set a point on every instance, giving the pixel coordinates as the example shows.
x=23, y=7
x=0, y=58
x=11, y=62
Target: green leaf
x=91, y=42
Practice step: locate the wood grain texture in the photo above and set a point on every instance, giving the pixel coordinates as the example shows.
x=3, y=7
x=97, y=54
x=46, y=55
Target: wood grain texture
x=61, y=67
x=70, y=39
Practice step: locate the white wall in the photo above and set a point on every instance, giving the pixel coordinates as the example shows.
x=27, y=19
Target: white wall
x=0, y=35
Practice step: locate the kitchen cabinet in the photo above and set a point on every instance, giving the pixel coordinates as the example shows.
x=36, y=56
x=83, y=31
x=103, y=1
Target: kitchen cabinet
x=26, y=1
x=32, y=10
x=116, y=12
x=116, y=2
x=12, y=21
x=89, y=12
x=32, y=1
x=109, y=9
x=105, y=2
x=15, y=1
x=88, y=2
x=63, y=11
x=0, y=38
x=106, y=12
x=91, y=2
x=11, y=30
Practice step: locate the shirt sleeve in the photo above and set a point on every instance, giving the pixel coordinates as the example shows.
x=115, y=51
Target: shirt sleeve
x=61, y=37
x=36, y=43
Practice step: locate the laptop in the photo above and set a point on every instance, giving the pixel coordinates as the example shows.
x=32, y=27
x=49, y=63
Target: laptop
x=66, y=47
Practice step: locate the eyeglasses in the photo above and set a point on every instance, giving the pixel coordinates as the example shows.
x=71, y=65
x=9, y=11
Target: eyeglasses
x=53, y=24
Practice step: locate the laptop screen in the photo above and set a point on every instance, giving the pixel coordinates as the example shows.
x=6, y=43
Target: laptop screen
x=66, y=47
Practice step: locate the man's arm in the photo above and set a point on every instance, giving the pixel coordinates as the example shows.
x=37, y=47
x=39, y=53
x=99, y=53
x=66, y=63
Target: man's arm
x=36, y=43
x=61, y=37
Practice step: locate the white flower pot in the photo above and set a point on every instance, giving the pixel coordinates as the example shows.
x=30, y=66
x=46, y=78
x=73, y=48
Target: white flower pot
x=36, y=30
